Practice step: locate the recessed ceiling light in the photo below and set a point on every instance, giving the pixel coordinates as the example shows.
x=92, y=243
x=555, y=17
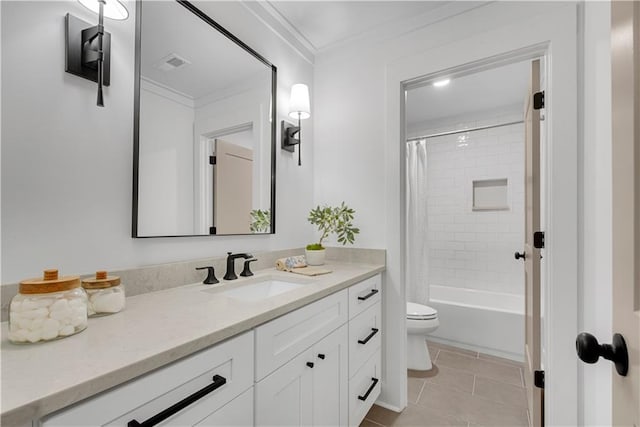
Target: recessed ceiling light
x=441, y=83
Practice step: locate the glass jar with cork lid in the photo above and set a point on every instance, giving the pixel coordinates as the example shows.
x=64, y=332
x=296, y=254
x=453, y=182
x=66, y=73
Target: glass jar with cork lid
x=106, y=294
x=47, y=308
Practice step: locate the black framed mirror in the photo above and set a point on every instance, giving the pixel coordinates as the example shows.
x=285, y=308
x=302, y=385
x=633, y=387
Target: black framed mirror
x=204, y=127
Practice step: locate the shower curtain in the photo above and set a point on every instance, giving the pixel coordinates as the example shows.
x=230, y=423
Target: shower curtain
x=417, y=255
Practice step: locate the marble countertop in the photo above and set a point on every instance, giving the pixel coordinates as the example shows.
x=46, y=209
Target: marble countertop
x=154, y=329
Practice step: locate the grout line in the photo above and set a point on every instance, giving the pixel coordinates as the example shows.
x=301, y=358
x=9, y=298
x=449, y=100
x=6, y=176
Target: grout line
x=437, y=354
x=522, y=377
x=424, y=384
x=473, y=388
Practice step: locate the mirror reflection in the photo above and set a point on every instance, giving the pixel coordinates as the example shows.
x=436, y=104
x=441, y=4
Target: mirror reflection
x=204, y=143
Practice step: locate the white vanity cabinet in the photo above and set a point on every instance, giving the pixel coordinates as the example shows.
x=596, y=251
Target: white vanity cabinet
x=365, y=343
x=302, y=366
x=309, y=390
x=214, y=378
x=333, y=382
x=318, y=365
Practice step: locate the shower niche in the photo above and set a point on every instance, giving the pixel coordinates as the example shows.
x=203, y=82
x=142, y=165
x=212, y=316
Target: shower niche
x=490, y=195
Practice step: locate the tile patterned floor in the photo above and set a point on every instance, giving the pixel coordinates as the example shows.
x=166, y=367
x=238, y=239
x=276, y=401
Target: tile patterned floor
x=464, y=388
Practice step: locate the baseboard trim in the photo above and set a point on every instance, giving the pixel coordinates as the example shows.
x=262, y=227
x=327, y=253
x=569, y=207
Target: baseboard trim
x=480, y=349
x=387, y=406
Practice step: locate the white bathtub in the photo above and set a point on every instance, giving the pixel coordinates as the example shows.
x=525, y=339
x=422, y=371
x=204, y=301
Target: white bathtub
x=484, y=321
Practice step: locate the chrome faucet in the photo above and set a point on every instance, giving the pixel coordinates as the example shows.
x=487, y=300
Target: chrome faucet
x=231, y=272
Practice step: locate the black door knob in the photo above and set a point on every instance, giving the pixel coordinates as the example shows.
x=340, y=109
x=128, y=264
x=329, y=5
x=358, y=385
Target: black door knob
x=589, y=351
x=519, y=255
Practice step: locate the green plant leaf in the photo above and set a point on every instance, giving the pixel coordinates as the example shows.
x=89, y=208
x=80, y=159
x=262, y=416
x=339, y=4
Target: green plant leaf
x=336, y=220
x=260, y=221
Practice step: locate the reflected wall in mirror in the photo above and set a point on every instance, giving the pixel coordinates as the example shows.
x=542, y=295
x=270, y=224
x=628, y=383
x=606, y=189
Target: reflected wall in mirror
x=204, y=138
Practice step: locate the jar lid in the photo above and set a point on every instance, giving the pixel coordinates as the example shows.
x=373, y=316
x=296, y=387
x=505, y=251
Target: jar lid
x=50, y=282
x=101, y=281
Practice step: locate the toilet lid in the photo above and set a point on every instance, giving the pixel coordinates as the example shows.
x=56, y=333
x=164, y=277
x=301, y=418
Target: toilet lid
x=420, y=312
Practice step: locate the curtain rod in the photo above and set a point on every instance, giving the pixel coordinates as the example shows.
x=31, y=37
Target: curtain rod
x=453, y=132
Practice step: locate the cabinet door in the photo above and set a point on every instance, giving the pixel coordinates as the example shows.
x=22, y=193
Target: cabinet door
x=284, y=398
x=330, y=379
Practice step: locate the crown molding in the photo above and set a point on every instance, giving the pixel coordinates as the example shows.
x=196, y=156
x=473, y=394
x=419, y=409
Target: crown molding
x=398, y=28
x=272, y=19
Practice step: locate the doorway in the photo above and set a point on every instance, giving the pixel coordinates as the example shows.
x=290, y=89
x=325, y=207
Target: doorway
x=465, y=207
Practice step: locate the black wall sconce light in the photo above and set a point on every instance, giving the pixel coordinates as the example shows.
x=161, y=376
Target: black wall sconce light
x=88, y=48
x=299, y=109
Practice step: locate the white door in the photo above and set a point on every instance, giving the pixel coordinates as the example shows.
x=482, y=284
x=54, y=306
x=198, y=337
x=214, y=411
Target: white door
x=330, y=379
x=232, y=188
x=531, y=253
x=284, y=398
x=625, y=17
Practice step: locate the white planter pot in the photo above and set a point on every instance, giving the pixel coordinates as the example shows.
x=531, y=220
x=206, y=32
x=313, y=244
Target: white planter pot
x=315, y=257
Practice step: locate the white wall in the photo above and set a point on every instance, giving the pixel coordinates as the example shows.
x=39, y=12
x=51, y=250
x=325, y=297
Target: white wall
x=595, y=209
x=67, y=164
x=165, y=184
x=358, y=126
x=474, y=248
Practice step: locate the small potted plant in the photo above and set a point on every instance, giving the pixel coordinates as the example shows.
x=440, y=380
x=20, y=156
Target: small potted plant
x=329, y=220
x=260, y=221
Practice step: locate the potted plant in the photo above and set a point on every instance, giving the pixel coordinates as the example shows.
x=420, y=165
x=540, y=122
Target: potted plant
x=329, y=220
x=260, y=221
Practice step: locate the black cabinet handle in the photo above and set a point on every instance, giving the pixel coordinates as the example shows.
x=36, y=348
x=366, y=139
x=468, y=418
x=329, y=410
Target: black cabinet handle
x=218, y=382
x=321, y=356
x=371, y=335
x=519, y=255
x=369, y=295
x=371, y=387
x=310, y=364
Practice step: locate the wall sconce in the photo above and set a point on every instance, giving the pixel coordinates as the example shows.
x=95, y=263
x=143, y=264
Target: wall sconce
x=298, y=108
x=88, y=49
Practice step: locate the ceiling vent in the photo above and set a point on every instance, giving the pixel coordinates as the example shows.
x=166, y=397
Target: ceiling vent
x=172, y=62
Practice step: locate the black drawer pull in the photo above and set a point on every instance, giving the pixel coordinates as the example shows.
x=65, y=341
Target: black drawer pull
x=371, y=387
x=310, y=364
x=218, y=382
x=371, y=335
x=321, y=356
x=369, y=295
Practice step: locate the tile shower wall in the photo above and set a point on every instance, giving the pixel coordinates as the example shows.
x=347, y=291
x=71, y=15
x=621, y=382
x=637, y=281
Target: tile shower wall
x=467, y=248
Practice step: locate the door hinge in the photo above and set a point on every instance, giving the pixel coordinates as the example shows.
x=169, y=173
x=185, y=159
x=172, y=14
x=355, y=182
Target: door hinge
x=538, y=100
x=538, y=379
x=538, y=239
x=212, y=160
x=212, y=230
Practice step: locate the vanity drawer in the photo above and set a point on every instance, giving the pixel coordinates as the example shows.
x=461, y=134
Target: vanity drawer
x=226, y=369
x=364, y=337
x=282, y=339
x=364, y=389
x=364, y=295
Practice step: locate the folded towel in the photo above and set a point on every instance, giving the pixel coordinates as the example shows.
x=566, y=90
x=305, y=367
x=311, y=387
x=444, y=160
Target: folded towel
x=289, y=263
x=310, y=271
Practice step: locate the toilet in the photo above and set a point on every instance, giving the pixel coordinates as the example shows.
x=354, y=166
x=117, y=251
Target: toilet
x=421, y=320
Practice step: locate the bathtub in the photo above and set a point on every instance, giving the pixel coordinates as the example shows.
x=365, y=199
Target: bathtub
x=484, y=321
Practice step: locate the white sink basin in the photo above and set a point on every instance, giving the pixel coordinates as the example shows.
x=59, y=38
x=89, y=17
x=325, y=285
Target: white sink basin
x=260, y=288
